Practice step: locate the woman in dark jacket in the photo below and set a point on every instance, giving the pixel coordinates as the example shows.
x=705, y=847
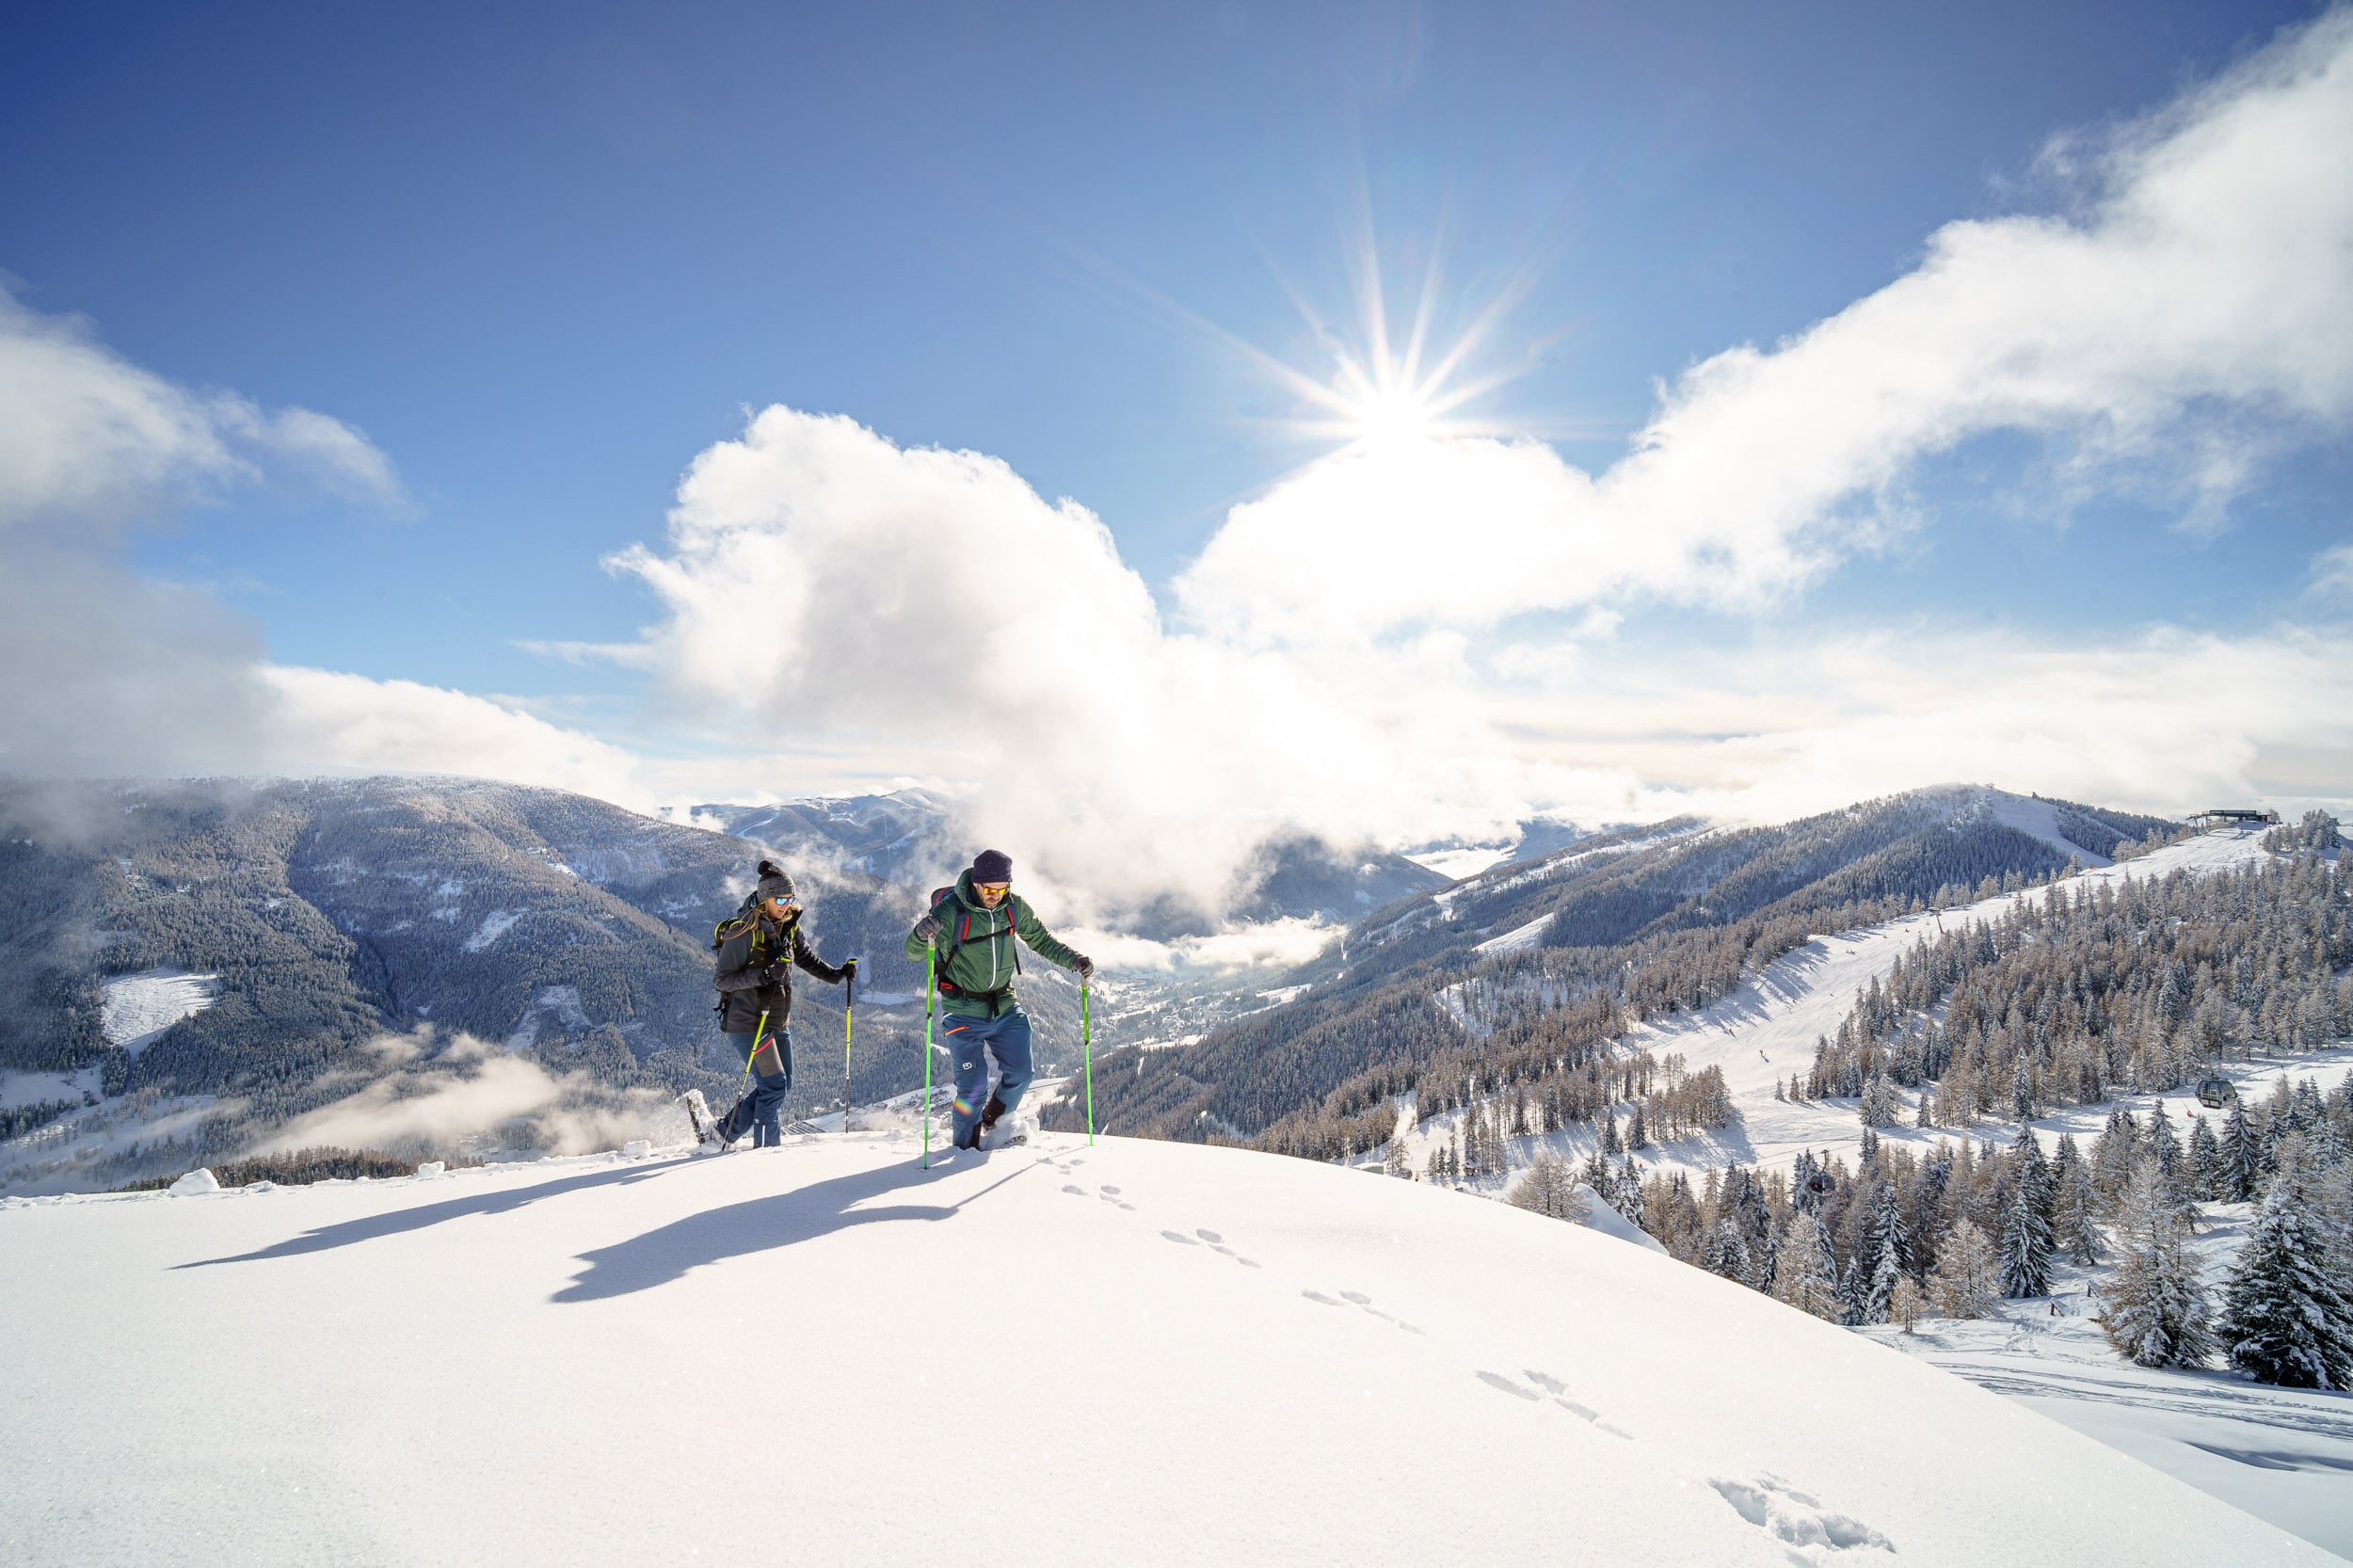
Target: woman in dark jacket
x=757, y=951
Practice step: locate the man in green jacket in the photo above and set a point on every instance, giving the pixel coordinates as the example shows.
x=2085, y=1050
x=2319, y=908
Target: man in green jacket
x=970, y=931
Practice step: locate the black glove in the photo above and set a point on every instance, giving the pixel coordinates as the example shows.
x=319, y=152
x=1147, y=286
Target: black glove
x=1085, y=966
x=772, y=974
x=849, y=970
x=926, y=928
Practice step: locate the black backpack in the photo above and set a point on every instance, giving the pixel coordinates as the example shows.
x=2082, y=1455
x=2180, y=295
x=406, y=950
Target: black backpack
x=955, y=931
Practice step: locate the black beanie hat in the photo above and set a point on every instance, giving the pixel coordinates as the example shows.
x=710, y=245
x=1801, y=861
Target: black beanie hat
x=992, y=864
x=775, y=882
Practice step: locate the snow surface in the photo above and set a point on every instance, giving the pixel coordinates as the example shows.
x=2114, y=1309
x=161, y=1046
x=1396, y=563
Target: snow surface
x=2282, y=1455
x=18, y=1089
x=495, y=924
x=2037, y=818
x=1054, y=1355
x=1460, y=863
x=139, y=1008
x=1518, y=938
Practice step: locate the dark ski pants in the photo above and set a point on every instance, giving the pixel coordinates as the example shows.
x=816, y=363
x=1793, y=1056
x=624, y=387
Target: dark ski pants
x=757, y=1111
x=971, y=1041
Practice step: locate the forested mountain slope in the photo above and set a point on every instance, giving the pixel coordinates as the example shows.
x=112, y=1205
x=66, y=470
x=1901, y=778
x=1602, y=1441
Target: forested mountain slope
x=308, y=918
x=1568, y=950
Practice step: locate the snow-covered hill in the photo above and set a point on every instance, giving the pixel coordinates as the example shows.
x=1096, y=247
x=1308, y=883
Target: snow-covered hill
x=1766, y=1028
x=1137, y=1351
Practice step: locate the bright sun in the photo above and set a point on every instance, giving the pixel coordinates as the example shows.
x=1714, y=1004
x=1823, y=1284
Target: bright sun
x=1383, y=393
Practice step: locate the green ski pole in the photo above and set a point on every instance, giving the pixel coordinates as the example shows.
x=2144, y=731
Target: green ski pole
x=928, y=989
x=1087, y=1043
x=849, y=1002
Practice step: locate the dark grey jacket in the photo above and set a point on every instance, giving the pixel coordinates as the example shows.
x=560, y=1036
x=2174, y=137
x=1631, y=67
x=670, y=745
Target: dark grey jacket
x=753, y=971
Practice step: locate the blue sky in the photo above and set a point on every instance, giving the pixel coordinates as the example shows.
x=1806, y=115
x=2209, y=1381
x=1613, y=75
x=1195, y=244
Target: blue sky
x=542, y=257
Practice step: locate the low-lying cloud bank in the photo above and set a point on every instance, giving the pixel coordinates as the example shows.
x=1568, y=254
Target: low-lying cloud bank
x=1353, y=654
x=424, y=1095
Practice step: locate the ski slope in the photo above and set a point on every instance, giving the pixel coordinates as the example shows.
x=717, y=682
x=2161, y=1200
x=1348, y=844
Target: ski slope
x=1137, y=1351
x=1765, y=1029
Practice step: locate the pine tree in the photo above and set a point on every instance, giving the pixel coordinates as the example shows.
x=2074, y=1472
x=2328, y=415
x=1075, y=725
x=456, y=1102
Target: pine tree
x=2162, y=1145
x=1395, y=1162
x=1611, y=1143
x=2238, y=1171
x=1627, y=1199
x=2025, y=1244
x=1806, y=1278
x=2284, y=1320
x=2206, y=1162
x=2113, y=1154
x=1637, y=1135
x=2075, y=1205
x=1596, y=1173
x=1880, y=1102
x=2152, y=1308
x=1966, y=1282
x=1725, y=1253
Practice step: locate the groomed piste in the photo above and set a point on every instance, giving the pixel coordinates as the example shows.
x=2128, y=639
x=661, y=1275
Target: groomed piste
x=1130, y=1352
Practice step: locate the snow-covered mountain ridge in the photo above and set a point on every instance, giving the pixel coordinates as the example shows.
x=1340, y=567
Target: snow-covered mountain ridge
x=1250, y=1359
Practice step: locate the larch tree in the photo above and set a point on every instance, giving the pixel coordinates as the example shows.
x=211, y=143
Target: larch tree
x=1966, y=1282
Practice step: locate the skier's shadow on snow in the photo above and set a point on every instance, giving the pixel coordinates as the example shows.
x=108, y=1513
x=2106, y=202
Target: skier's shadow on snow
x=760, y=1224
x=376, y=1227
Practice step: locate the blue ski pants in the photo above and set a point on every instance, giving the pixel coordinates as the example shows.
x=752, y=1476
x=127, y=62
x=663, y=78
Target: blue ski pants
x=971, y=1041
x=760, y=1108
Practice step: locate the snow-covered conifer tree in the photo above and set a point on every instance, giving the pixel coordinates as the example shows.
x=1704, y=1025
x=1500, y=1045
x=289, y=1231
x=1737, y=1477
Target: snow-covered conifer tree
x=2075, y=1205
x=2284, y=1318
x=2162, y=1145
x=2025, y=1240
x=2238, y=1173
x=1880, y=1102
x=2205, y=1164
x=1637, y=1135
x=2152, y=1309
x=2113, y=1154
x=1627, y=1199
x=1725, y=1253
x=1610, y=1143
x=1806, y=1278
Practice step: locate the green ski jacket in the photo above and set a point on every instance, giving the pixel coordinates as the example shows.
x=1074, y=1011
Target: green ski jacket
x=977, y=960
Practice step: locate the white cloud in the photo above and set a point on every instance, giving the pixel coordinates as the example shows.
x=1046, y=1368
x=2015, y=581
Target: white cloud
x=2195, y=311
x=435, y=1097
x=2164, y=722
x=88, y=439
x=2333, y=572
x=323, y=721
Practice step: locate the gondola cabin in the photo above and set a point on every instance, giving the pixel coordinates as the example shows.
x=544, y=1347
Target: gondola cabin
x=2214, y=1092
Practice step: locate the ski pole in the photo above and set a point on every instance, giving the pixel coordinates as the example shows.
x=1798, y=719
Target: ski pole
x=758, y=1030
x=929, y=954
x=849, y=1002
x=1086, y=1047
